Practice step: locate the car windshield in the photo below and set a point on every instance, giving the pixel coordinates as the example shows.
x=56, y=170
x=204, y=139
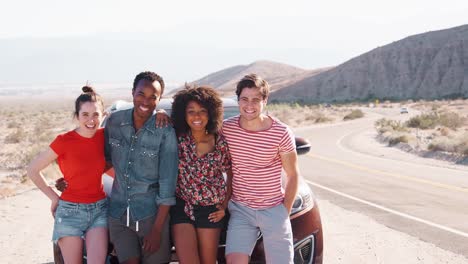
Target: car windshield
x=230, y=111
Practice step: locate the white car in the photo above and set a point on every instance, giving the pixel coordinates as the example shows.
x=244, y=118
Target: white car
x=403, y=110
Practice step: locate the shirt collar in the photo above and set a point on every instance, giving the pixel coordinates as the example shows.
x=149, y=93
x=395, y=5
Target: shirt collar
x=149, y=125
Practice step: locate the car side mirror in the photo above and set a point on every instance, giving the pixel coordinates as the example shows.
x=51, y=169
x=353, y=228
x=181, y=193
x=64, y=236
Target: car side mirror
x=302, y=146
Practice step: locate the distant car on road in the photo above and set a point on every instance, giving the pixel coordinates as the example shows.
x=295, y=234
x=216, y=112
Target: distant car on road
x=404, y=110
x=305, y=217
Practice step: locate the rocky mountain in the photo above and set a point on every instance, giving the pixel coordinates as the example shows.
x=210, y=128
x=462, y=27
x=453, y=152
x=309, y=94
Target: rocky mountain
x=278, y=75
x=429, y=65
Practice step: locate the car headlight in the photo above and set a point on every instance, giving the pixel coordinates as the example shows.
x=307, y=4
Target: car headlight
x=304, y=199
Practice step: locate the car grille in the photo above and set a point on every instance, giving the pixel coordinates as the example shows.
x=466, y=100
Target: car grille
x=304, y=251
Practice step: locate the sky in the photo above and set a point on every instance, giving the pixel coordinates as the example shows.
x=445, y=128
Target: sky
x=190, y=39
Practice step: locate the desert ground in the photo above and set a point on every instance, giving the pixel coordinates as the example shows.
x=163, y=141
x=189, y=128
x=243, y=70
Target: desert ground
x=351, y=236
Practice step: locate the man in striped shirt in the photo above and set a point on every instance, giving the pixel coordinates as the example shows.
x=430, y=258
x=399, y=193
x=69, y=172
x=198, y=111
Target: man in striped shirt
x=261, y=147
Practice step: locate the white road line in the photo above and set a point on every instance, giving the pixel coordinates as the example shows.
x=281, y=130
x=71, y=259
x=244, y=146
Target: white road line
x=429, y=223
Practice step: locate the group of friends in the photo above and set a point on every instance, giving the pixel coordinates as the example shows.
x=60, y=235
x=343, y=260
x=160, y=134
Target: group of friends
x=176, y=179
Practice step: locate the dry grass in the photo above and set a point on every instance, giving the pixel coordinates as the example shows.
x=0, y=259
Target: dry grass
x=27, y=129
x=430, y=120
x=296, y=115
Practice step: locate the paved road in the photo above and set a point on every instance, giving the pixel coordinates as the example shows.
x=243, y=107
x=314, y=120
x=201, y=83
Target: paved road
x=415, y=197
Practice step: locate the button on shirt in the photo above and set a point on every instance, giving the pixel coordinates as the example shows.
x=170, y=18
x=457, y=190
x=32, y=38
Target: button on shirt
x=145, y=164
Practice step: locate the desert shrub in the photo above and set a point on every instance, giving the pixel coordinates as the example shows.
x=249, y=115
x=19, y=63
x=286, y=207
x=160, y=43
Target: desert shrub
x=398, y=139
x=423, y=121
x=15, y=137
x=462, y=147
x=457, y=144
x=395, y=137
x=444, y=131
x=430, y=120
x=355, y=113
x=322, y=118
x=465, y=151
x=13, y=124
x=383, y=125
x=434, y=107
x=310, y=117
x=30, y=153
x=42, y=125
x=442, y=144
x=451, y=120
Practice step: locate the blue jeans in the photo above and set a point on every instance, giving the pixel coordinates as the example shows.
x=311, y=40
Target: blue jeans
x=75, y=219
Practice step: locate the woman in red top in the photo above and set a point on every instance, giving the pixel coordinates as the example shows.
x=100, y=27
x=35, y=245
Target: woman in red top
x=81, y=211
x=202, y=192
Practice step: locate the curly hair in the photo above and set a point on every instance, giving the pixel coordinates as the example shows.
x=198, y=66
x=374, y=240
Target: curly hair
x=88, y=95
x=207, y=97
x=149, y=76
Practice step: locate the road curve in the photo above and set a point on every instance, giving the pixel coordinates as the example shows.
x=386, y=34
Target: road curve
x=410, y=195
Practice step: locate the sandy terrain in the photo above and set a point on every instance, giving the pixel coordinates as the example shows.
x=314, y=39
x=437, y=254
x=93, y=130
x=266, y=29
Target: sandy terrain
x=25, y=233
x=25, y=236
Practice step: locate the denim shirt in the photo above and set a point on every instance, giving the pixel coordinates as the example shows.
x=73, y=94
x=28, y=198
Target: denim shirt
x=145, y=164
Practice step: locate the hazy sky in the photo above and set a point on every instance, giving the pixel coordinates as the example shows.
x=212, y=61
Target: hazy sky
x=307, y=34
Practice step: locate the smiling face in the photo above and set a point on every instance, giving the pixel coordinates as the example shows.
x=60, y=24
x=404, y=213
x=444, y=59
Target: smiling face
x=89, y=118
x=251, y=103
x=146, y=96
x=196, y=116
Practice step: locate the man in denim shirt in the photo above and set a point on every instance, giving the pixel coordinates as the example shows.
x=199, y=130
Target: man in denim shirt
x=145, y=161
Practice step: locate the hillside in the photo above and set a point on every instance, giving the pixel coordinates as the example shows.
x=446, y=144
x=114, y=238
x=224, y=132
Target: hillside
x=431, y=65
x=278, y=76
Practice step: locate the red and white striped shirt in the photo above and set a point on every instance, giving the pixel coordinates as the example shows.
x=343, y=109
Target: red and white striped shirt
x=256, y=162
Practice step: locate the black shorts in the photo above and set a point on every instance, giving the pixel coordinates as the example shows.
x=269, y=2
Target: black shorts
x=201, y=213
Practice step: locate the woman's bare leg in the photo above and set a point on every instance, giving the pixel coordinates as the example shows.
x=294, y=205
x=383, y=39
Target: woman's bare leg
x=72, y=249
x=185, y=241
x=208, y=240
x=96, y=245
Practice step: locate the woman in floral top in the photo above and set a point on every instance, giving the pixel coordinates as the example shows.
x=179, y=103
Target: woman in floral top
x=202, y=191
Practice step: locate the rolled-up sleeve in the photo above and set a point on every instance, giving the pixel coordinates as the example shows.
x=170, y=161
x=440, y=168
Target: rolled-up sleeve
x=168, y=168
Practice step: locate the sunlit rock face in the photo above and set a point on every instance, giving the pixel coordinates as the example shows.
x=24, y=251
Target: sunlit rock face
x=429, y=66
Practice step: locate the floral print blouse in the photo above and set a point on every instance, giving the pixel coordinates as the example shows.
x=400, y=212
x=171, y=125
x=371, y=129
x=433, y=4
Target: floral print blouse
x=200, y=180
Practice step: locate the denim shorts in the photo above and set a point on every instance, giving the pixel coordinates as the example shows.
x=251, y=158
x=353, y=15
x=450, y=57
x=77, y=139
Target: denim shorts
x=75, y=219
